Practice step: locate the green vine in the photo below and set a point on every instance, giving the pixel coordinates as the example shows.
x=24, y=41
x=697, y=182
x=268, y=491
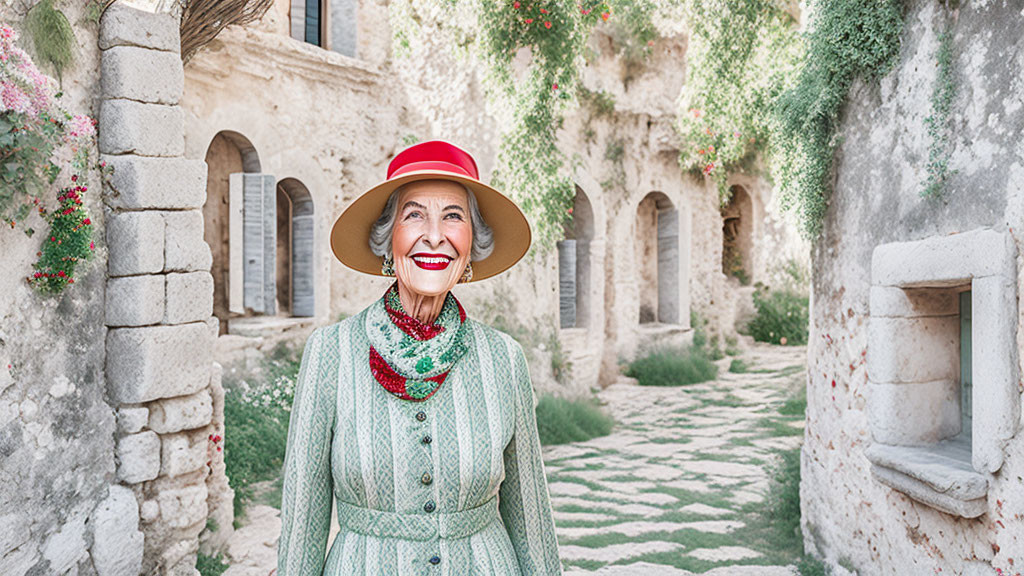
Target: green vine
x=846, y=39
x=52, y=36
x=937, y=123
x=70, y=241
x=554, y=33
x=742, y=55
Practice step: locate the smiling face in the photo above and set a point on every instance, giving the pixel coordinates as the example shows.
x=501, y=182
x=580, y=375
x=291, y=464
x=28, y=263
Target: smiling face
x=432, y=236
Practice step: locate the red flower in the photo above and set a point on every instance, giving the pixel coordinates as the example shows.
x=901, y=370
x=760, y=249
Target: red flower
x=605, y=16
x=61, y=274
x=515, y=5
x=528, y=20
x=92, y=245
x=554, y=86
x=543, y=11
x=53, y=238
x=709, y=168
x=86, y=221
x=547, y=24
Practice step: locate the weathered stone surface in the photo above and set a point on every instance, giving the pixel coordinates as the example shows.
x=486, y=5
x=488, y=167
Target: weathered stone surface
x=149, y=511
x=181, y=413
x=948, y=472
x=183, y=452
x=155, y=362
x=186, y=250
x=129, y=127
x=945, y=260
x=923, y=493
x=123, y=25
x=913, y=413
x=189, y=297
x=135, y=241
x=117, y=542
x=910, y=302
x=913, y=349
x=994, y=350
x=142, y=74
x=66, y=547
x=135, y=300
x=138, y=457
x=141, y=182
x=131, y=419
x=182, y=507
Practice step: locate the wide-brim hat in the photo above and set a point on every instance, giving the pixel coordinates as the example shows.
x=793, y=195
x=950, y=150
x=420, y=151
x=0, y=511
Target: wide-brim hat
x=432, y=160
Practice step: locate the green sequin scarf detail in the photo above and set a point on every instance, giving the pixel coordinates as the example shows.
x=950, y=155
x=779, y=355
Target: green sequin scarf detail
x=408, y=358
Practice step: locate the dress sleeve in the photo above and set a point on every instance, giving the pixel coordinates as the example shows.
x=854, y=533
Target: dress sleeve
x=308, y=487
x=523, y=499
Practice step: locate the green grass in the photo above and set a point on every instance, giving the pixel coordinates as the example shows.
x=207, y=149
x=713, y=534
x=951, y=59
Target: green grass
x=795, y=405
x=738, y=366
x=561, y=420
x=255, y=437
x=673, y=367
x=211, y=565
x=782, y=318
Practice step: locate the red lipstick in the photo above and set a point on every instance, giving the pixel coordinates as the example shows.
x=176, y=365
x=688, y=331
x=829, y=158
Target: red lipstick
x=431, y=261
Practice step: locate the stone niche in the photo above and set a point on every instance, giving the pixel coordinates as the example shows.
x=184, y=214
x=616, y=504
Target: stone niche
x=929, y=441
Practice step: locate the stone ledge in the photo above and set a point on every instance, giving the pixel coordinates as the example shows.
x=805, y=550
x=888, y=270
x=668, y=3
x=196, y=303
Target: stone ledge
x=939, y=475
x=944, y=260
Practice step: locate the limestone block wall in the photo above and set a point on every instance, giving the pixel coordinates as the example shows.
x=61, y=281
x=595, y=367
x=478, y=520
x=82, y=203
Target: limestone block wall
x=884, y=356
x=160, y=373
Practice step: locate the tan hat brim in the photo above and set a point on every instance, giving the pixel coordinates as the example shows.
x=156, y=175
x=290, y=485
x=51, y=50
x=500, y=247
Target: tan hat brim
x=350, y=236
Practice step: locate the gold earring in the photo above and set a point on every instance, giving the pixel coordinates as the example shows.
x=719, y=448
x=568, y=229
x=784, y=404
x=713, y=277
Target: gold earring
x=387, y=267
x=468, y=274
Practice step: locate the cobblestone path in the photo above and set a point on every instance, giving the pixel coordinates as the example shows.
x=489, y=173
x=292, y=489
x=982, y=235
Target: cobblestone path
x=675, y=489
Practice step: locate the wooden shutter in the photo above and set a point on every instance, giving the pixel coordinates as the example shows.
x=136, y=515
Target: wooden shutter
x=313, y=22
x=668, y=266
x=342, y=25
x=302, y=258
x=259, y=242
x=297, y=17
x=567, y=283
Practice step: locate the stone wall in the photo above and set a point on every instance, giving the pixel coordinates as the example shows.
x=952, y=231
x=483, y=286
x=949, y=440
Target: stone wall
x=56, y=426
x=891, y=485
x=332, y=123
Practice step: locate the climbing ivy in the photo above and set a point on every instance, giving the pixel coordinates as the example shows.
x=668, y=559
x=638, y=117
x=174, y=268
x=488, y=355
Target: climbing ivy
x=52, y=37
x=553, y=33
x=937, y=122
x=846, y=39
x=742, y=55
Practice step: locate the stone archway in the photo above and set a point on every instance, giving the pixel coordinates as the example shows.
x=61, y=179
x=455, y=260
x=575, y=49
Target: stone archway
x=228, y=153
x=737, y=235
x=574, y=265
x=657, y=259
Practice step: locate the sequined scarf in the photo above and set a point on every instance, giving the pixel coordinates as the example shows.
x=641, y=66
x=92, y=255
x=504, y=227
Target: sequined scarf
x=409, y=358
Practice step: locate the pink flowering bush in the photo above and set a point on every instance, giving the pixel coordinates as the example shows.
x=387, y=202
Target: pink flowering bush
x=33, y=127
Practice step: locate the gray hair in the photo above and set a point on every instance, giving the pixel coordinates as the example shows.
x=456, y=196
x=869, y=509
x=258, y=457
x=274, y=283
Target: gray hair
x=380, y=232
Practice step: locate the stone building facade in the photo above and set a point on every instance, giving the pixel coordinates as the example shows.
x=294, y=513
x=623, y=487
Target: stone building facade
x=913, y=458
x=229, y=172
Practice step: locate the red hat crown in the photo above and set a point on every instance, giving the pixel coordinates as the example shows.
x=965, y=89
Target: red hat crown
x=433, y=155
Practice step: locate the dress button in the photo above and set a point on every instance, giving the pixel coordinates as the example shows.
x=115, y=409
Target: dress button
x=435, y=560
x=429, y=506
x=427, y=439
x=426, y=479
x=421, y=416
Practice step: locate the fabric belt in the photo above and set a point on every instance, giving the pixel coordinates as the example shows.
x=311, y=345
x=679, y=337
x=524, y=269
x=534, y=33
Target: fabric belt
x=417, y=526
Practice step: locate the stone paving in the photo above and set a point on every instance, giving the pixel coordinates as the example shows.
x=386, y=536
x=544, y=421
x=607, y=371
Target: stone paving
x=675, y=490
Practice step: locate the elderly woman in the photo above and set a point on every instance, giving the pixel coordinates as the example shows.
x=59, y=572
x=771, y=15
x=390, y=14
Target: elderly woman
x=418, y=420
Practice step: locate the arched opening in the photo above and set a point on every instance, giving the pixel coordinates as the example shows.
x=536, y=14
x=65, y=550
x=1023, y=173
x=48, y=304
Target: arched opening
x=657, y=259
x=574, y=266
x=294, y=253
x=737, y=235
x=229, y=153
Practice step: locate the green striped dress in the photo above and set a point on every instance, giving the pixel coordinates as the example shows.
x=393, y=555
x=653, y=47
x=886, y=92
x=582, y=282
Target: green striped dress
x=470, y=500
